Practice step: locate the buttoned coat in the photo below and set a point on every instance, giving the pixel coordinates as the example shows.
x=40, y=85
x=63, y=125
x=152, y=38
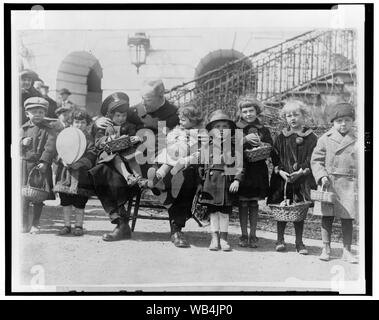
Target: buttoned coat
x=215, y=191
x=335, y=156
x=255, y=184
x=42, y=149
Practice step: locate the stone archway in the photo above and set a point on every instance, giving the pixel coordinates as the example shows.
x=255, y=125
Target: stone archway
x=216, y=59
x=81, y=73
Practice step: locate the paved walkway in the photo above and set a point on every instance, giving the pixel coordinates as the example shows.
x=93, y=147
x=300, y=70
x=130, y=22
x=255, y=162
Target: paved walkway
x=150, y=262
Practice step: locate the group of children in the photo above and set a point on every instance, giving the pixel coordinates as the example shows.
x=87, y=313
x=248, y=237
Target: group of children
x=299, y=159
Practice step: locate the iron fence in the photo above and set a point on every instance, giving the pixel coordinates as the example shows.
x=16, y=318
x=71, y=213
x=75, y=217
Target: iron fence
x=271, y=73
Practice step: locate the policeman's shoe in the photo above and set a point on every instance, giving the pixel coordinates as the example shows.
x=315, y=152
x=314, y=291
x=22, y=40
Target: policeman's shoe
x=178, y=240
x=121, y=232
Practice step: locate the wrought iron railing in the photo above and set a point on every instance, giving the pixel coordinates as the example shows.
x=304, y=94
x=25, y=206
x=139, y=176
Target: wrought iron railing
x=271, y=73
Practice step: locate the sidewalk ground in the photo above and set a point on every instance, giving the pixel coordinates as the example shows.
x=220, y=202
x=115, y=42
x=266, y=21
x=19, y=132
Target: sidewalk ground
x=150, y=262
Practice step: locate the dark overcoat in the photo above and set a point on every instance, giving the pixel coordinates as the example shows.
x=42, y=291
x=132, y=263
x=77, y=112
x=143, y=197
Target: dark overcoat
x=291, y=152
x=216, y=183
x=41, y=150
x=255, y=184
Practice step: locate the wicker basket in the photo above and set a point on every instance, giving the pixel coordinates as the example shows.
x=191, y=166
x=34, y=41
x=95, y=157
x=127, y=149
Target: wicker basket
x=261, y=153
x=34, y=193
x=118, y=145
x=294, y=212
x=323, y=196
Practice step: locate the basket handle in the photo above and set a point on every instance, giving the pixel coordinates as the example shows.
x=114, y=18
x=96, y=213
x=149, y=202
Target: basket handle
x=285, y=190
x=322, y=187
x=30, y=175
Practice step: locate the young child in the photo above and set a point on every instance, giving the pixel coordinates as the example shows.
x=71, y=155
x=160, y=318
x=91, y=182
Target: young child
x=64, y=118
x=117, y=112
x=37, y=150
x=291, y=158
x=334, y=164
x=73, y=183
x=180, y=146
x=255, y=184
x=218, y=187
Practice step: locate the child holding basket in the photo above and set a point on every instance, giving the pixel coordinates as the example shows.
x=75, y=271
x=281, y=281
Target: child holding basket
x=291, y=158
x=255, y=185
x=334, y=165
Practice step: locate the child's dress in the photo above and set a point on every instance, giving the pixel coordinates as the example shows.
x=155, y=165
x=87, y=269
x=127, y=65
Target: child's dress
x=77, y=182
x=255, y=184
x=291, y=152
x=335, y=156
x=180, y=144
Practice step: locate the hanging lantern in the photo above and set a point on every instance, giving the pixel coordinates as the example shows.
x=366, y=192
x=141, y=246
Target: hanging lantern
x=139, y=46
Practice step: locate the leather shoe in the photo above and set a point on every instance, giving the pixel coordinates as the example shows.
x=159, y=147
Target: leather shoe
x=121, y=232
x=179, y=241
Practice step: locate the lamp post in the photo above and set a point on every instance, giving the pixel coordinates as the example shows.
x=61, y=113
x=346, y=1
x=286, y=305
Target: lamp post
x=139, y=46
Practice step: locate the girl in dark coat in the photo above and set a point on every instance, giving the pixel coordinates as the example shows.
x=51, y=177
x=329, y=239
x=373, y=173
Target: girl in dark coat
x=218, y=187
x=255, y=184
x=291, y=158
x=72, y=182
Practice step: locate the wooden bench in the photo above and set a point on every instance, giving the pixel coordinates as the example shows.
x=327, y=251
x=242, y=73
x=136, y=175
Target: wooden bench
x=133, y=205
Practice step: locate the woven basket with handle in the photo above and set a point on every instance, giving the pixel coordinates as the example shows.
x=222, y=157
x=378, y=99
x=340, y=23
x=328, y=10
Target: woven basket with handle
x=260, y=153
x=293, y=212
x=118, y=145
x=322, y=195
x=36, y=193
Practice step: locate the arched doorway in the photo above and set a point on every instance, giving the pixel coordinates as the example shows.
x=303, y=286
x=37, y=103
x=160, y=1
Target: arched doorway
x=81, y=73
x=216, y=59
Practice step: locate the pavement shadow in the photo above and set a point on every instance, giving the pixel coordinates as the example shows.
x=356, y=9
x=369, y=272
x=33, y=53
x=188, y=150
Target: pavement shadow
x=202, y=240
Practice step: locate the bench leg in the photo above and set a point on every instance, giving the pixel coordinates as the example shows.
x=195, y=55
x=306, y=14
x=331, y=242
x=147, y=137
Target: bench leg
x=135, y=211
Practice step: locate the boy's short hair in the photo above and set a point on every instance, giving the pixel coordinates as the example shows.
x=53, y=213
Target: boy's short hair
x=81, y=115
x=192, y=113
x=292, y=105
x=250, y=101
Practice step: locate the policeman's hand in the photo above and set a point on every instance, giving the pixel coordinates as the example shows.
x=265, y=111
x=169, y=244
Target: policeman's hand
x=284, y=175
x=103, y=122
x=27, y=141
x=42, y=167
x=150, y=122
x=325, y=181
x=234, y=186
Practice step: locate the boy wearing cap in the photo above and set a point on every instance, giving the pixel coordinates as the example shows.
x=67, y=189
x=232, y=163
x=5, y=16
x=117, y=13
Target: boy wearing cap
x=37, y=151
x=64, y=115
x=334, y=165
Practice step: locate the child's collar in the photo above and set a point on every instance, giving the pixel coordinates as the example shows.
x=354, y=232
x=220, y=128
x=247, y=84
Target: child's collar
x=303, y=133
x=243, y=124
